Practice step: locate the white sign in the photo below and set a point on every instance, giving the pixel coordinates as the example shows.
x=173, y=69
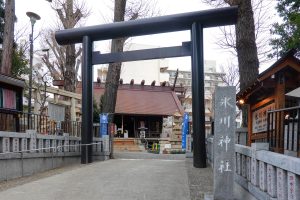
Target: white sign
x=259, y=118
x=56, y=112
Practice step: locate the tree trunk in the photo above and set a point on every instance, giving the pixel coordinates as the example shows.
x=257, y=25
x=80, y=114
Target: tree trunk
x=8, y=37
x=114, y=69
x=247, y=50
x=246, y=46
x=70, y=78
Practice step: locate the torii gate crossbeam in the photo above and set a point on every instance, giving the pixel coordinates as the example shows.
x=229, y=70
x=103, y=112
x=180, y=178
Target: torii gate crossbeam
x=193, y=21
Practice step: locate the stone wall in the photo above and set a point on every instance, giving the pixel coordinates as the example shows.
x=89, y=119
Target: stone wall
x=23, y=154
x=265, y=174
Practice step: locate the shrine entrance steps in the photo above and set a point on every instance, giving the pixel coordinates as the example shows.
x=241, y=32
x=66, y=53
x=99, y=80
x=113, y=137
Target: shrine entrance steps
x=127, y=144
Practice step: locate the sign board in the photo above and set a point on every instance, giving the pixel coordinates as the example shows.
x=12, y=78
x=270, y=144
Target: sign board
x=103, y=124
x=56, y=112
x=224, y=138
x=259, y=118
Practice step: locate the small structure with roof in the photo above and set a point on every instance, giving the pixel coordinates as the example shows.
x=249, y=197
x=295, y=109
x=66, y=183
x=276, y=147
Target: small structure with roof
x=11, y=102
x=144, y=108
x=273, y=116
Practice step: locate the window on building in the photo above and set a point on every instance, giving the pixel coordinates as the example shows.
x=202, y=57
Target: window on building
x=180, y=75
x=172, y=74
x=207, y=84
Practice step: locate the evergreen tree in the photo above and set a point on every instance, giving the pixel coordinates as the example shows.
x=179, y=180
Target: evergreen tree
x=288, y=32
x=19, y=60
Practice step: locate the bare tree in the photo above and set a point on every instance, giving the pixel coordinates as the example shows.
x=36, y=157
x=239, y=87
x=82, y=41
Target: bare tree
x=262, y=23
x=245, y=45
x=8, y=37
x=245, y=35
x=41, y=84
x=56, y=61
x=66, y=60
x=230, y=74
x=123, y=10
x=63, y=61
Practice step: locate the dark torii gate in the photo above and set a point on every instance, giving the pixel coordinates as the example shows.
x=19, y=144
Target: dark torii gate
x=193, y=21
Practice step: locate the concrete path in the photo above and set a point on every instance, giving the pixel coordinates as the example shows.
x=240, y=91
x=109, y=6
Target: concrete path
x=114, y=179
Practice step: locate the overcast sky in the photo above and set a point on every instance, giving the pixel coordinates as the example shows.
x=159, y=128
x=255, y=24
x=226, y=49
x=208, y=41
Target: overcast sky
x=101, y=12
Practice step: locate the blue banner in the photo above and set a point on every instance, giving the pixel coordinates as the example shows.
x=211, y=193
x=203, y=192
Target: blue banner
x=185, y=130
x=103, y=129
x=104, y=118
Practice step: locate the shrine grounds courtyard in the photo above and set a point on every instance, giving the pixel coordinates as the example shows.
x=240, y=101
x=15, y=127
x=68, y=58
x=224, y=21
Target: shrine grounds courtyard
x=129, y=176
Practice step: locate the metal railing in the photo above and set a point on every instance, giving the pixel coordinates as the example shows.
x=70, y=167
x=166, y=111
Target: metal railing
x=283, y=129
x=16, y=121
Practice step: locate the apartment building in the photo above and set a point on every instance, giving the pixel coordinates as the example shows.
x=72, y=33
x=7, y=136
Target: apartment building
x=212, y=78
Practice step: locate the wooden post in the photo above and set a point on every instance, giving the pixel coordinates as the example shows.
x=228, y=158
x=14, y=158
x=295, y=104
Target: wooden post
x=73, y=111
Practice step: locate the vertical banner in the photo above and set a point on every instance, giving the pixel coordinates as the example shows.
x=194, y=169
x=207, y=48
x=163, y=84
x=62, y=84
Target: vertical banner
x=224, y=138
x=184, y=130
x=103, y=130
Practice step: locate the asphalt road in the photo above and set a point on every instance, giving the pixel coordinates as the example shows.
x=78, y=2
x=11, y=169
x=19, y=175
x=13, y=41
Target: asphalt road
x=155, y=179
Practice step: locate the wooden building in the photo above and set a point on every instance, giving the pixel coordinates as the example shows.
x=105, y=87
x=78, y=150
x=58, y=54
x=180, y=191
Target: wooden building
x=141, y=107
x=11, y=102
x=272, y=115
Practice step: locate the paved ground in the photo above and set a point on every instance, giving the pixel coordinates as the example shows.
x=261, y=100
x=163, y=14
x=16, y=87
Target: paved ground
x=129, y=176
x=114, y=179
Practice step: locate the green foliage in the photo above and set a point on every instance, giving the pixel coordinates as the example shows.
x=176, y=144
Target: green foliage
x=19, y=63
x=288, y=32
x=96, y=112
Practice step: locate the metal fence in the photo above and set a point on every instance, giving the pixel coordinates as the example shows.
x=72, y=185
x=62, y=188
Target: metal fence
x=16, y=121
x=283, y=131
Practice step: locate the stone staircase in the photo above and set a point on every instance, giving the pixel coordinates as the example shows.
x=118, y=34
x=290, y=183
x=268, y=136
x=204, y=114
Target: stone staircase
x=127, y=144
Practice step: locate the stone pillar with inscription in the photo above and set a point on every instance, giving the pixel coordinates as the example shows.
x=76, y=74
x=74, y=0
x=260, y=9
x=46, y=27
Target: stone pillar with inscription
x=24, y=144
x=255, y=163
x=248, y=168
x=244, y=168
x=224, y=139
x=40, y=145
x=66, y=142
x=293, y=186
x=271, y=180
x=262, y=176
x=14, y=144
x=282, y=184
x=32, y=140
x=4, y=145
x=47, y=145
x=105, y=143
x=59, y=145
x=72, y=148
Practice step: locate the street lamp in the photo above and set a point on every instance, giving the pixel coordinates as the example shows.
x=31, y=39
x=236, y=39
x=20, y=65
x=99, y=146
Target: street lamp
x=33, y=18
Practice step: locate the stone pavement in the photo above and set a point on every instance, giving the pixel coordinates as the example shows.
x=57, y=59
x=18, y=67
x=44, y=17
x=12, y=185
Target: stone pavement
x=110, y=180
x=201, y=184
x=129, y=176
